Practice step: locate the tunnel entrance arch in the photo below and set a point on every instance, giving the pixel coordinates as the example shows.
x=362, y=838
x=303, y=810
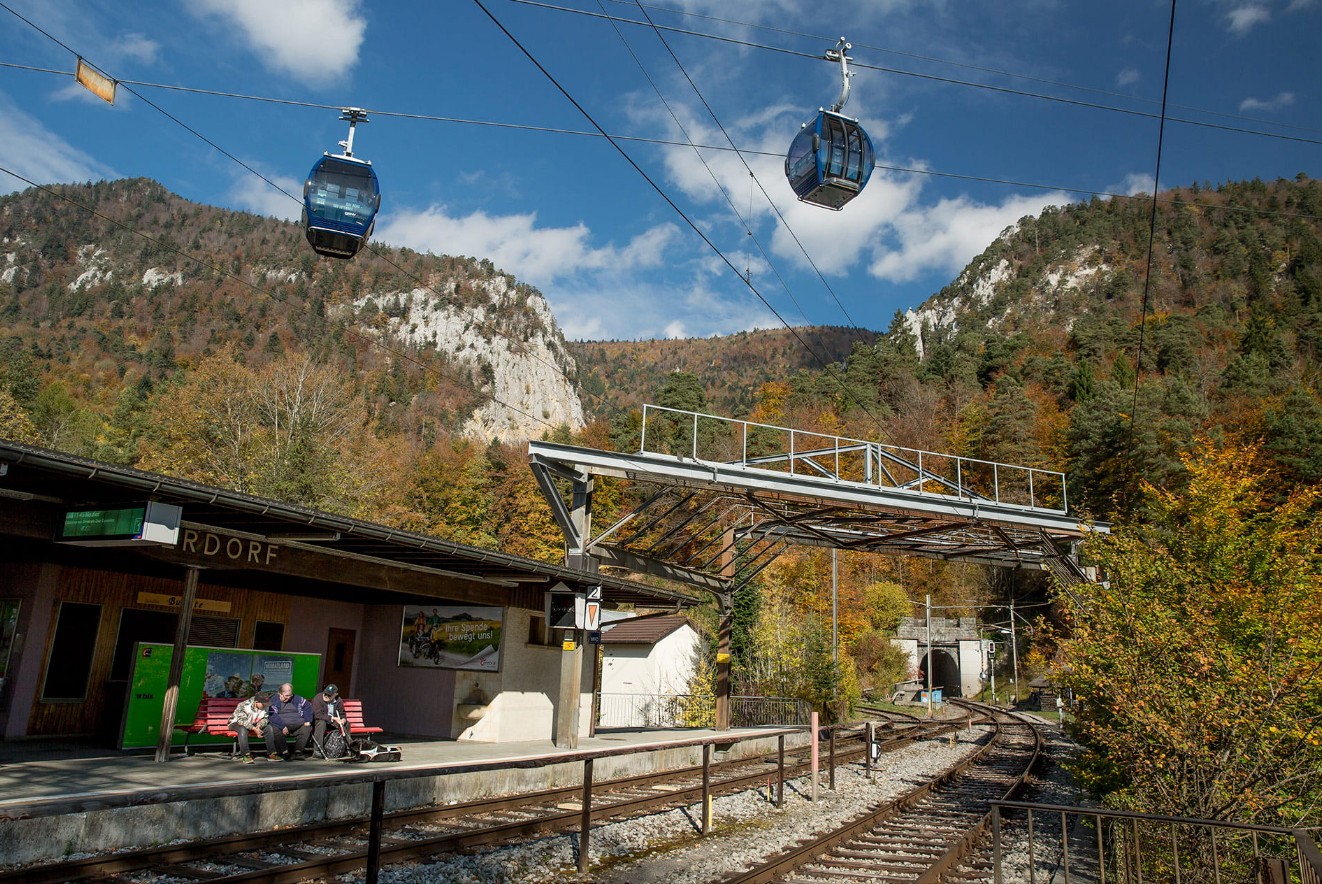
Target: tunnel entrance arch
x=724, y=497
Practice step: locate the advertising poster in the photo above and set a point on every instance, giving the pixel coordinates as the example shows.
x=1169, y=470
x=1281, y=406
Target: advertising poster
x=207, y=672
x=451, y=637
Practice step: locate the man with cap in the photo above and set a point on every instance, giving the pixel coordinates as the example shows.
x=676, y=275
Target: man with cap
x=327, y=712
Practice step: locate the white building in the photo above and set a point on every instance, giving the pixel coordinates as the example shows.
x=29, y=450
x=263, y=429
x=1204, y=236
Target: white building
x=645, y=661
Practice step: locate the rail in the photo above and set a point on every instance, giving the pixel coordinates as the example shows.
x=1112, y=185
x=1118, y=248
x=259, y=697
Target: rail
x=833, y=458
x=627, y=710
x=378, y=778
x=1063, y=843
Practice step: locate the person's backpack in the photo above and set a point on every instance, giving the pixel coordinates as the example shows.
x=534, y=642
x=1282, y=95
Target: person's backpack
x=336, y=745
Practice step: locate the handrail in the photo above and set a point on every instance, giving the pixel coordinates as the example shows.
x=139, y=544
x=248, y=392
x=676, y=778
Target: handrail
x=1034, y=482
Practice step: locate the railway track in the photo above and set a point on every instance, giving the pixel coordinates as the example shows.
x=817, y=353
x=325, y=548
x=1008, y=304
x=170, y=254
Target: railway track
x=925, y=835
x=332, y=848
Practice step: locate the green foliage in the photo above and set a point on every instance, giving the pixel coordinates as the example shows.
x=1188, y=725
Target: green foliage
x=1198, y=664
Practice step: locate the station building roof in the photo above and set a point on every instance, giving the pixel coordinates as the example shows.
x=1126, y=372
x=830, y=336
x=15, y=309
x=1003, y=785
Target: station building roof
x=319, y=553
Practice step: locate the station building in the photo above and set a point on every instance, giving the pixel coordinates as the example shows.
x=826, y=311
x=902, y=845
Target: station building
x=349, y=602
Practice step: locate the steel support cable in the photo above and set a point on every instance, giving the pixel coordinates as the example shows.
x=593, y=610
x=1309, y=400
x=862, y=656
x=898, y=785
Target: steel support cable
x=944, y=61
x=639, y=169
x=945, y=80
x=1152, y=231
x=356, y=336
x=663, y=142
x=832, y=370
x=747, y=278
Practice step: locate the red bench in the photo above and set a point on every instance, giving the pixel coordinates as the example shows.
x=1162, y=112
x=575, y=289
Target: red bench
x=213, y=718
x=353, y=713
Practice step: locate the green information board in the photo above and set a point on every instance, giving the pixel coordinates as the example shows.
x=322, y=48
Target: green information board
x=208, y=672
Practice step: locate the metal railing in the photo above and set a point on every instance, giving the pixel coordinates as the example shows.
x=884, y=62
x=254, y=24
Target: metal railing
x=1051, y=843
x=710, y=438
x=688, y=710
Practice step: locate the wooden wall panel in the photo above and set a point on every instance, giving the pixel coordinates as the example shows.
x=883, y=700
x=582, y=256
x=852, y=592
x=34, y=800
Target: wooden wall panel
x=116, y=591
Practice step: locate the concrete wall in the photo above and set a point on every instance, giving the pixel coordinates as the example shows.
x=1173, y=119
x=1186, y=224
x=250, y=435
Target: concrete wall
x=404, y=700
x=521, y=697
x=310, y=621
x=972, y=662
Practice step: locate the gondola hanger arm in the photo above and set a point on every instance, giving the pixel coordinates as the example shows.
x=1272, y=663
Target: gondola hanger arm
x=839, y=54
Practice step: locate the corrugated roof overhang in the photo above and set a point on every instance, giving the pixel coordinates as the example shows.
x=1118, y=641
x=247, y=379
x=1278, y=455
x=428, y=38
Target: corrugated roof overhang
x=355, y=552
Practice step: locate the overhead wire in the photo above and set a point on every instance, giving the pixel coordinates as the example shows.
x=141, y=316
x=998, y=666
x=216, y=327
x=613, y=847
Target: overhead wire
x=830, y=369
x=1006, y=90
x=517, y=344
x=652, y=183
x=715, y=180
x=952, y=63
x=1152, y=229
x=662, y=142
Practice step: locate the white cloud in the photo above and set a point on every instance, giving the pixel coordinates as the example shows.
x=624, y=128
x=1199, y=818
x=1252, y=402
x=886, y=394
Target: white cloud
x=517, y=245
x=1270, y=105
x=40, y=155
x=1243, y=17
x=315, y=41
x=135, y=46
x=255, y=195
x=946, y=236
x=1133, y=184
x=1127, y=77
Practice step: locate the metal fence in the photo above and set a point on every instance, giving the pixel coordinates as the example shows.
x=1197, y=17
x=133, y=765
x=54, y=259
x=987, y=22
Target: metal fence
x=707, y=437
x=1049, y=843
x=687, y=710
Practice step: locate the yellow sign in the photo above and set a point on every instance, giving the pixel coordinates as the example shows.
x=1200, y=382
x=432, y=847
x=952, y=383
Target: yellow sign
x=722, y=658
x=568, y=645
x=214, y=606
x=97, y=83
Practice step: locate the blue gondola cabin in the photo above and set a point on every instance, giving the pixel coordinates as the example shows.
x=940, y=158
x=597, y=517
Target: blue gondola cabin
x=829, y=161
x=340, y=201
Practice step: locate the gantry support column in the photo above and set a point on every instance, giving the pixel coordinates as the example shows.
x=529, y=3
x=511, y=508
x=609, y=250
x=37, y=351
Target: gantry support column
x=567, y=716
x=171, y=701
x=725, y=600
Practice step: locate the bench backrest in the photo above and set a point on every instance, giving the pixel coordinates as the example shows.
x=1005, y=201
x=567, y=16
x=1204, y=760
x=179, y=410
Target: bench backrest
x=353, y=714
x=217, y=709
x=212, y=712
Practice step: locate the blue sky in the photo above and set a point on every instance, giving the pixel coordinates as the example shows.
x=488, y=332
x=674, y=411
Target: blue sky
x=568, y=214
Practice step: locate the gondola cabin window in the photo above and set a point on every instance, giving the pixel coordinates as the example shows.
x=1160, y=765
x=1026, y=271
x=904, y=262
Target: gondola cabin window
x=71, y=652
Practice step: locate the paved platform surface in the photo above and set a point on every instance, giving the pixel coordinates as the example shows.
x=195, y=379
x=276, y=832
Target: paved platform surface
x=26, y=777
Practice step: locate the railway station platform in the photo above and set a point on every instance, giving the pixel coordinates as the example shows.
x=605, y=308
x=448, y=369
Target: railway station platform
x=53, y=805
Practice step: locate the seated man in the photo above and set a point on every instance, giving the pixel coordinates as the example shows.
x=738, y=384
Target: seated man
x=252, y=717
x=291, y=716
x=327, y=714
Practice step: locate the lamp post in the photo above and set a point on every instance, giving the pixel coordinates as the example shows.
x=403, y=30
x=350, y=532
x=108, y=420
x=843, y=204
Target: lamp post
x=929, y=654
x=1014, y=654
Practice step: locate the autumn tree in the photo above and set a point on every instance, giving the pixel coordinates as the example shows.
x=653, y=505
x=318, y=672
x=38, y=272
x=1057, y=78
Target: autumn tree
x=1198, y=661
x=15, y=425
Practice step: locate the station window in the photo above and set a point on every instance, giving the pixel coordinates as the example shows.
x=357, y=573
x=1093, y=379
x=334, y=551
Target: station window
x=539, y=635
x=71, y=652
x=269, y=636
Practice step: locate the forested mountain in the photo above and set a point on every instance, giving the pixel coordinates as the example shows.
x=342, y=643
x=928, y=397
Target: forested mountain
x=117, y=286
x=400, y=388
x=1057, y=348
x=617, y=375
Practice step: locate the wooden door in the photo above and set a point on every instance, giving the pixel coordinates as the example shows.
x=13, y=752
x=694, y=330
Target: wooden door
x=337, y=665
